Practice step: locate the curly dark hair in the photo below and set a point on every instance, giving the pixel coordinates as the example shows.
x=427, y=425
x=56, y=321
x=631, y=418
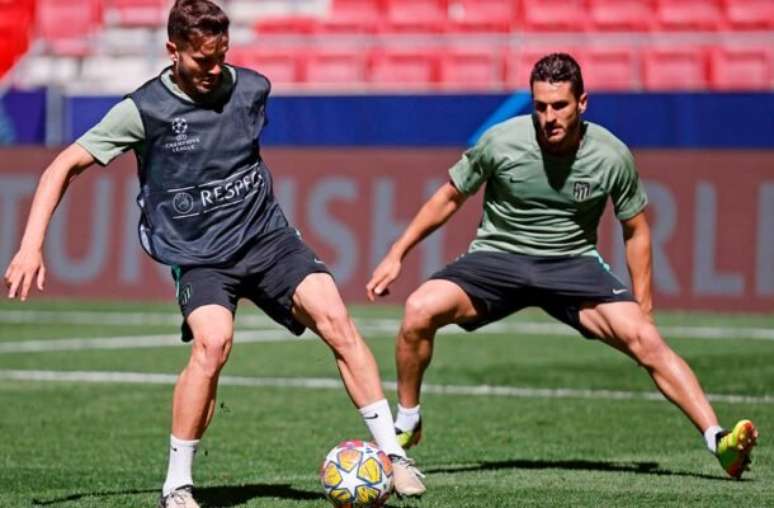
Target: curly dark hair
x=195, y=18
x=558, y=67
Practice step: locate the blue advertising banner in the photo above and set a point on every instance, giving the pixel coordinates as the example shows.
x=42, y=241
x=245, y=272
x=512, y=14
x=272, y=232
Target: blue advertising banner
x=664, y=120
x=23, y=117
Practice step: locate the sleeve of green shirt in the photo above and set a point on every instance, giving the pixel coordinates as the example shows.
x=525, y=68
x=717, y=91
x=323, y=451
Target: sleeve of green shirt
x=119, y=130
x=627, y=192
x=474, y=168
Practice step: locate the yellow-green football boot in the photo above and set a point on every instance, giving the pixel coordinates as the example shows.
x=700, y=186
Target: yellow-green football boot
x=409, y=438
x=734, y=448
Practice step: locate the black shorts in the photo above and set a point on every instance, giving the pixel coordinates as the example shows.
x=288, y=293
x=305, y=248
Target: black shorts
x=501, y=283
x=267, y=272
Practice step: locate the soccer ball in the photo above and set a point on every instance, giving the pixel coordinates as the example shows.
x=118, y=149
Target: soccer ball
x=356, y=474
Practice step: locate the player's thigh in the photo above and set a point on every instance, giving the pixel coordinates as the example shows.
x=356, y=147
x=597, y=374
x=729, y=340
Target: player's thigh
x=439, y=302
x=317, y=299
x=209, y=292
x=212, y=326
x=622, y=325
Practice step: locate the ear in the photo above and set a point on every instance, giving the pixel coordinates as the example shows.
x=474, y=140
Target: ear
x=172, y=51
x=583, y=102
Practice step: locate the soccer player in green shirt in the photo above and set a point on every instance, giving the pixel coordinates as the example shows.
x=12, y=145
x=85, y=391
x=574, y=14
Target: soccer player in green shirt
x=548, y=177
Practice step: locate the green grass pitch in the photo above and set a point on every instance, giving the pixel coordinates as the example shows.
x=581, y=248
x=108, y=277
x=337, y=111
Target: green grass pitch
x=604, y=441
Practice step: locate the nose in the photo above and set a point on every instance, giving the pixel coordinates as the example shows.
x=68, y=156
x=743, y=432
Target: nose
x=550, y=114
x=216, y=70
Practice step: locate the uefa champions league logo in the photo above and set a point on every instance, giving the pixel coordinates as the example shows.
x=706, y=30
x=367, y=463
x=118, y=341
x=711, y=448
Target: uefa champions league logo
x=183, y=203
x=179, y=126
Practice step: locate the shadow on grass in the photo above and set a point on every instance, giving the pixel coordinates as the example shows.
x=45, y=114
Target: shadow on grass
x=223, y=496
x=650, y=468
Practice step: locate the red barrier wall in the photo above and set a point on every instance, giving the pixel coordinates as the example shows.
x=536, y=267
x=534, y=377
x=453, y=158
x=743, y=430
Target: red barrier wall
x=712, y=216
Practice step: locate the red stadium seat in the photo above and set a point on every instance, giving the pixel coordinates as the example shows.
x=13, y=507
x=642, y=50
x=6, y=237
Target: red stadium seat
x=689, y=14
x=67, y=26
x=470, y=68
x=336, y=68
x=352, y=16
x=481, y=15
x=15, y=23
x=749, y=14
x=404, y=67
x=137, y=13
x=675, y=69
x=610, y=69
x=285, y=25
x=416, y=15
x=742, y=68
x=554, y=15
x=520, y=61
x=281, y=65
x=622, y=15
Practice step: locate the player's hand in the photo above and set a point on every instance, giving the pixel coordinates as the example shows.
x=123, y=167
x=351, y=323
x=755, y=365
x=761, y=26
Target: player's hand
x=387, y=271
x=25, y=268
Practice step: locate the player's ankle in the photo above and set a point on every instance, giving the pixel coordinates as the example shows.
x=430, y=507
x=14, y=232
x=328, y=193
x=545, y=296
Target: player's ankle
x=407, y=418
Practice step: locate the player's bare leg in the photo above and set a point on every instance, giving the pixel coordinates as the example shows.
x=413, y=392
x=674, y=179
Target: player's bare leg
x=318, y=305
x=624, y=326
x=195, y=392
x=193, y=402
x=434, y=304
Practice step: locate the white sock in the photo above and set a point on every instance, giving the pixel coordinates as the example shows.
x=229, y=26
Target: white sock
x=378, y=418
x=710, y=437
x=181, y=455
x=408, y=417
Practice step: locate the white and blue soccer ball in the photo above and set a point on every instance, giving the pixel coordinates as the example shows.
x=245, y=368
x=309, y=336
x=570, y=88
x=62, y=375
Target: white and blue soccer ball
x=356, y=474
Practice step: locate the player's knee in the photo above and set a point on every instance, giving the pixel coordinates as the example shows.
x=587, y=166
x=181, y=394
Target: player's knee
x=418, y=313
x=647, y=346
x=335, y=326
x=211, y=352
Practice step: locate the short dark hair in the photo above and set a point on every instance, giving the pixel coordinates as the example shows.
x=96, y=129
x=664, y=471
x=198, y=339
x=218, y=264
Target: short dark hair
x=195, y=18
x=558, y=67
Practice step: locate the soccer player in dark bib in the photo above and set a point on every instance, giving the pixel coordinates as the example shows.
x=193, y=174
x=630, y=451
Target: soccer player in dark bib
x=547, y=177
x=209, y=212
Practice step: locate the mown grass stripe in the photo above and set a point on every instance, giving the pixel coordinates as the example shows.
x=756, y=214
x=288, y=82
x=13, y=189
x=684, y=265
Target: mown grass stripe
x=333, y=383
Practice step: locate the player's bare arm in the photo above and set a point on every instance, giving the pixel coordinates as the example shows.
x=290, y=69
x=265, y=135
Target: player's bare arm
x=27, y=265
x=433, y=214
x=639, y=261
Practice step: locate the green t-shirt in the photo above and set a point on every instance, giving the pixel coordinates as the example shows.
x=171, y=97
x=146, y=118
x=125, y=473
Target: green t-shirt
x=541, y=205
x=121, y=128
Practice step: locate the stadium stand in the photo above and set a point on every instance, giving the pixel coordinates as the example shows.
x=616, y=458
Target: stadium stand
x=282, y=65
x=142, y=13
x=485, y=16
x=741, y=68
x=337, y=68
x=471, y=68
x=15, y=23
x=352, y=17
x=68, y=27
x=424, y=44
x=610, y=68
x=553, y=15
x=749, y=14
x=396, y=67
x=683, y=68
x=622, y=15
x=418, y=16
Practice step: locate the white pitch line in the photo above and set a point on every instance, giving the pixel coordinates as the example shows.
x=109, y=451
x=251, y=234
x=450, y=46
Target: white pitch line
x=278, y=334
x=366, y=325
x=135, y=342
x=335, y=384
